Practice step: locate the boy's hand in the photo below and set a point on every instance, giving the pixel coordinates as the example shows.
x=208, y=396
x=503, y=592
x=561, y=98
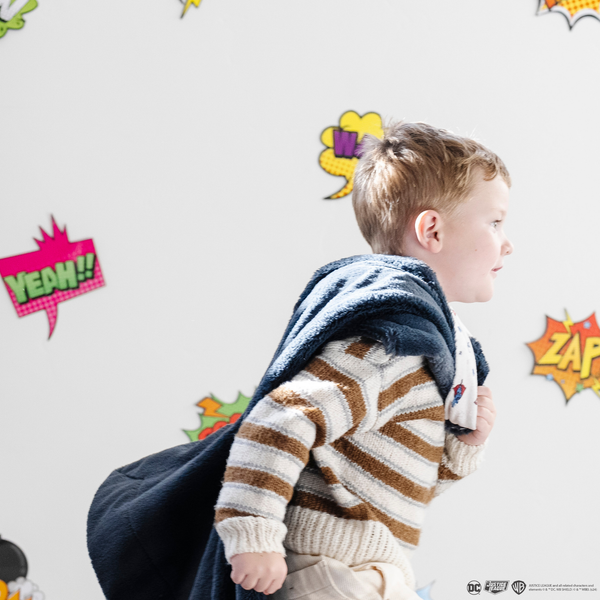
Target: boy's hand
x=486, y=415
x=260, y=571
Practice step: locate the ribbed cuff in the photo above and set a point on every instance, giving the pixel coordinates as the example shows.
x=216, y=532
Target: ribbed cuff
x=251, y=534
x=461, y=458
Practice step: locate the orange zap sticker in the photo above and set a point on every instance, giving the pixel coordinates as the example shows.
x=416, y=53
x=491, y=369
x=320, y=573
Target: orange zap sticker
x=344, y=146
x=569, y=354
x=572, y=10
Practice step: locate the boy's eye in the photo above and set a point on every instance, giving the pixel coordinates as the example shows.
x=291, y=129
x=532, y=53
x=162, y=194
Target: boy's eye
x=495, y=223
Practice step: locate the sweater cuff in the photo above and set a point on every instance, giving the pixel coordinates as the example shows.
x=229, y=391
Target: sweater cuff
x=461, y=458
x=251, y=534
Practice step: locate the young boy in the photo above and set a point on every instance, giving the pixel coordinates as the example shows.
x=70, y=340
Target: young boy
x=329, y=475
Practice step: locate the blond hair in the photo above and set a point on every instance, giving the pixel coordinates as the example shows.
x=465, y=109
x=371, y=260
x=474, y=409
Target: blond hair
x=415, y=167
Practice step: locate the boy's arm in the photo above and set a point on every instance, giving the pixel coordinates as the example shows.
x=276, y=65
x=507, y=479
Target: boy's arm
x=463, y=454
x=458, y=461
x=328, y=398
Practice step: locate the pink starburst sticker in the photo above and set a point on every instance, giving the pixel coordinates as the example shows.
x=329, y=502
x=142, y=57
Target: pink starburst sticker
x=58, y=271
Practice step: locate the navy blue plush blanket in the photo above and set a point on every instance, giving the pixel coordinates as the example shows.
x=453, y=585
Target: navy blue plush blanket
x=150, y=526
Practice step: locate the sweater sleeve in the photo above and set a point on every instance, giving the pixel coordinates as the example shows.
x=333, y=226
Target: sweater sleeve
x=334, y=394
x=458, y=461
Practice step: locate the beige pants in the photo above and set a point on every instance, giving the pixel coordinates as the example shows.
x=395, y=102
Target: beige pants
x=323, y=578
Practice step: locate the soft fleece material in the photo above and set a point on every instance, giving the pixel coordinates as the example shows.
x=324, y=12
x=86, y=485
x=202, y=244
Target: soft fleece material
x=150, y=526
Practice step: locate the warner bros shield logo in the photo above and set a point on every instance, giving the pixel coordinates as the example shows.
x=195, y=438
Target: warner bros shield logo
x=518, y=587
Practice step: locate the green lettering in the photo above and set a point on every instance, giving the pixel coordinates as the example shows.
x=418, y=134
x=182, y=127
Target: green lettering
x=34, y=286
x=17, y=285
x=67, y=276
x=49, y=280
x=90, y=263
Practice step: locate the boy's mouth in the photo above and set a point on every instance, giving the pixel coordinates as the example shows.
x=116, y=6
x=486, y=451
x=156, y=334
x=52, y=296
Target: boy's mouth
x=496, y=270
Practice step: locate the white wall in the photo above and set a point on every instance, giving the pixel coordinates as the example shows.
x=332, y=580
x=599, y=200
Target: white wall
x=187, y=149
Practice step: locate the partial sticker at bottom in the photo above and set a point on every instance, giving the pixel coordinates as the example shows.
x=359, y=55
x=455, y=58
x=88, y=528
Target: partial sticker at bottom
x=14, y=584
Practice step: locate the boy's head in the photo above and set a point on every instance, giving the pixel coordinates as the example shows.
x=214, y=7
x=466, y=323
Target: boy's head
x=425, y=192
x=413, y=168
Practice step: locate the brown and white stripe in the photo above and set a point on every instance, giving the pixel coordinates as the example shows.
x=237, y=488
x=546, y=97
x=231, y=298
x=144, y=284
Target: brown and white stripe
x=355, y=440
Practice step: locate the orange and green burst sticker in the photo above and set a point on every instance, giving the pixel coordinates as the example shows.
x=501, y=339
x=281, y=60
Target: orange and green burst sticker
x=572, y=10
x=569, y=354
x=11, y=13
x=344, y=146
x=217, y=414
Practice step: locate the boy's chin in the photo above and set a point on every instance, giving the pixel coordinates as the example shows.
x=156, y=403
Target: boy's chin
x=475, y=296
x=486, y=296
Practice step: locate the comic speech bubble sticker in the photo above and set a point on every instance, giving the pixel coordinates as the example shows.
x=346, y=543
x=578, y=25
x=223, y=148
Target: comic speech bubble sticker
x=344, y=144
x=569, y=354
x=572, y=10
x=58, y=271
x=11, y=13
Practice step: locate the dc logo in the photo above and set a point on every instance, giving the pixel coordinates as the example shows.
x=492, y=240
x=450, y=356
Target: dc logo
x=474, y=588
x=518, y=587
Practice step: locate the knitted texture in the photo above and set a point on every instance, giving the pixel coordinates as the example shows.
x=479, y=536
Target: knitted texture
x=150, y=526
x=355, y=443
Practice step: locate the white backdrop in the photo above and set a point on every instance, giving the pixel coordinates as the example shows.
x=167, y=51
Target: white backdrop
x=187, y=150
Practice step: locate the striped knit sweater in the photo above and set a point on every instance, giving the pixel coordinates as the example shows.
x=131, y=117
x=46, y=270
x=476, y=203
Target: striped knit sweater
x=342, y=460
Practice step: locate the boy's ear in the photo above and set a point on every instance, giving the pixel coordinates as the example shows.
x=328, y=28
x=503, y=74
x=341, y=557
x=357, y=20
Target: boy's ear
x=428, y=229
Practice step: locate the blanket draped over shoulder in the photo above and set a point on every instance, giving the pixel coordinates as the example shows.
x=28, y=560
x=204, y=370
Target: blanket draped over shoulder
x=150, y=526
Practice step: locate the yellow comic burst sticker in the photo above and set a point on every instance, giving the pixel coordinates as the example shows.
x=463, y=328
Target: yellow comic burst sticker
x=187, y=4
x=572, y=10
x=344, y=146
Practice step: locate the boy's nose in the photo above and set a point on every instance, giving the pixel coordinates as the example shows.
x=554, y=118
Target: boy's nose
x=508, y=247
